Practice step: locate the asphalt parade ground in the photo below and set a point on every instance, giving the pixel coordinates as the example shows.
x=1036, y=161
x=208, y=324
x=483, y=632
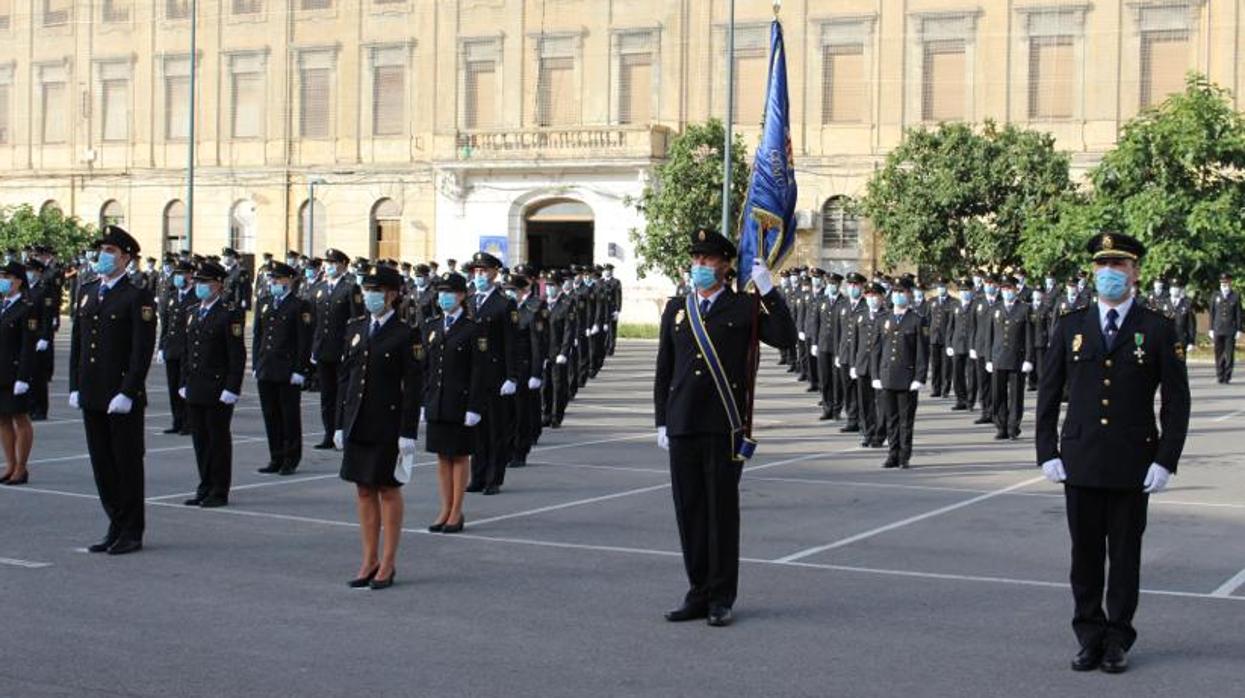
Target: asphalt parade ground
x=946, y=580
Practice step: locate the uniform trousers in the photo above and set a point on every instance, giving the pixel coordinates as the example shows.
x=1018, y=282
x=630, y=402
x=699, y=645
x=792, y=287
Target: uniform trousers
x=898, y=409
x=1105, y=525
x=326, y=371
x=585, y=360
x=556, y=392
x=611, y=340
x=801, y=359
x=813, y=372
x=851, y=397
x=213, y=444
x=866, y=400
x=494, y=441
x=830, y=401
x=44, y=361
x=1008, y=392
x=116, y=445
x=526, y=420
x=177, y=404
x=983, y=388
x=1225, y=355
x=283, y=421
x=705, y=483
x=936, y=356
x=598, y=351
x=1039, y=355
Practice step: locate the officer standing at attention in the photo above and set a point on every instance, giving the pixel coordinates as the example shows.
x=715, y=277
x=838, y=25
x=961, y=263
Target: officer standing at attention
x=281, y=342
x=531, y=349
x=1039, y=323
x=692, y=416
x=113, y=337
x=44, y=296
x=825, y=340
x=614, y=286
x=1110, y=454
x=983, y=312
x=337, y=299
x=1010, y=360
x=940, y=308
x=844, y=355
x=19, y=331
x=211, y=383
x=175, y=309
x=1179, y=309
x=420, y=302
x=237, y=291
x=499, y=318
x=868, y=323
x=899, y=363
x=562, y=332
x=1225, y=327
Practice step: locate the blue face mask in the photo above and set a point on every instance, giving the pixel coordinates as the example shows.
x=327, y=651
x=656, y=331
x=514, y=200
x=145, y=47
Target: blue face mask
x=481, y=281
x=203, y=291
x=310, y=274
x=900, y=299
x=446, y=300
x=1112, y=283
x=991, y=290
x=590, y=281
x=512, y=294
x=421, y=282
x=832, y=290
x=552, y=291
x=966, y=297
x=277, y=290
x=874, y=303
x=854, y=292
x=106, y=263
x=1009, y=296
x=6, y=286
x=179, y=281
x=374, y=301
x=31, y=278
x=332, y=271
x=703, y=277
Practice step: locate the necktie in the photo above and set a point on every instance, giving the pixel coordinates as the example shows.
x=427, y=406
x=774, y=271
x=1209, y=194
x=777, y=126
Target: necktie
x=704, y=307
x=103, y=291
x=1112, y=328
x=203, y=313
x=375, y=328
x=449, y=321
x=479, y=300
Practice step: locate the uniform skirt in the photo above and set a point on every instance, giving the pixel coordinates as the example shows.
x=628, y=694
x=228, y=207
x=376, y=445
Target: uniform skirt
x=370, y=465
x=12, y=405
x=449, y=439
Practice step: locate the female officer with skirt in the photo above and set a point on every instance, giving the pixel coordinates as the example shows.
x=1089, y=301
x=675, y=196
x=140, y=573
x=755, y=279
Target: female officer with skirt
x=456, y=350
x=19, y=326
x=381, y=384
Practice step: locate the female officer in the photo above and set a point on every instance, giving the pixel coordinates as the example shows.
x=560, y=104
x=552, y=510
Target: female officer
x=378, y=419
x=456, y=350
x=18, y=334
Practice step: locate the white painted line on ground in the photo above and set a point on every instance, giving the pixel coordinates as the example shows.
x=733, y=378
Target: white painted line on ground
x=630, y=437
x=1229, y=587
x=28, y=564
x=58, y=422
x=906, y=522
x=167, y=449
x=1229, y=415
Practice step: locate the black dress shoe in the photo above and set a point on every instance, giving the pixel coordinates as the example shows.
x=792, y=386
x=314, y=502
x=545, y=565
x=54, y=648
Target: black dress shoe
x=824, y=417
x=454, y=528
x=269, y=469
x=686, y=612
x=378, y=584
x=850, y=429
x=184, y=432
x=193, y=501
x=517, y=463
x=1000, y=436
x=287, y=470
x=473, y=488
x=124, y=547
x=492, y=490
x=890, y=464
x=172, y=430
x=325, y=445
x=102, y=546
x=905, y=465
x=959, y=408
x=363, y=582
x=1088, y=659
x=720, y=616
x=983, y=420
x=39, y=417
x=876, y=444
x=5, y=478
x=1114, y=659
x=213, y=502
x=555, y=424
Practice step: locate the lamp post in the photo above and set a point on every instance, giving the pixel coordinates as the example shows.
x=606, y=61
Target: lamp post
x=190, y=142
x=730, y=115
x=311, y=213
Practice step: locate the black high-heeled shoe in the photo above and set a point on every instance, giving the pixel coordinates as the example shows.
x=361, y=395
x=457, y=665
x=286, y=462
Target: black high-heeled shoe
x=17, y=481
x=364, y=582
x=378, y=584
x=437, y=527
x=455, y=528
x=5, y=478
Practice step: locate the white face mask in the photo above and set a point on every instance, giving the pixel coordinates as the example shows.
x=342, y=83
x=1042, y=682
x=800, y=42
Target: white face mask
x=1226, y=289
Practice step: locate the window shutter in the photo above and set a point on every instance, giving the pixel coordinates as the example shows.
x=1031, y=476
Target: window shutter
x=844, y=91
x=480, y=98
x=943, y=88
x=635, y=88
x=1051, y=81
x=1164, y=60
x=314, y=102
x=751, y=72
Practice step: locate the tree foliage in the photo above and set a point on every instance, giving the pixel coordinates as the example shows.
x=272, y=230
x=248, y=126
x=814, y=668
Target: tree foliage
x=953, y=199
x=686, y=194
x=21, y=226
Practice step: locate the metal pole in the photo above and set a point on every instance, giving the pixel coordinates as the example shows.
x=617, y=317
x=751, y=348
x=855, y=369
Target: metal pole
x=730, y=115
x=311, y=218
x=190, y=146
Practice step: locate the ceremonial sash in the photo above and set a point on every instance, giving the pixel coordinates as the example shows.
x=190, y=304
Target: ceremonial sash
x=742, y=446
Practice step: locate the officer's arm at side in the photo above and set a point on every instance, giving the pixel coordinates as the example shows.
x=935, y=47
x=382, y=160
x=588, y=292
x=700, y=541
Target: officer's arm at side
x=777, y=327
x=665, y=361
x=142, y=343
x=1050, y=396
x=1174, y=401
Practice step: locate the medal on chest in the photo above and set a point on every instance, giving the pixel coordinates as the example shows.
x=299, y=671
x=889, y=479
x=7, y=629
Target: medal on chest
x=1139, y=340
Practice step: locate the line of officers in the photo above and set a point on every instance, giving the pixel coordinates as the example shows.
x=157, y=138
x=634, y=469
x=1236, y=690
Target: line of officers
x=548, y=333
x=43, y=289
x=869, y=346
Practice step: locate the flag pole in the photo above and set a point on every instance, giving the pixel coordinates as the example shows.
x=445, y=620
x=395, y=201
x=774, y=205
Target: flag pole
x=730, y=115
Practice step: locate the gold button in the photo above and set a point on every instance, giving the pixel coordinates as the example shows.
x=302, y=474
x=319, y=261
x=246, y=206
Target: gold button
x=1106, y=381
x=1104, y=421
x=698, y=373
x=1105, y=402
x=1109, y=364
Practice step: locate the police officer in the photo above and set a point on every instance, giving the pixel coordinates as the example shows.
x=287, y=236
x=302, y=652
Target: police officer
x=940, y=310
x=1039, y=323
x=962, y=324
x=1179, y=309
x=868, y=322
x=602, y=299
x=237, y=291
x=816, y=294
x=562, y=330
x=113, y=338
x=825, y=343
x=44, y=296
x=281, y=342
x=845, y=352
x=614, y=288
x=983, y=310
x=899, y=363
x=499, y=319
x=1110, y=455
x=693, y=424
x=585, y=311
x=1225, y=327
x=420, y=300
x=175, y=308
x=337, y=299
x=21, y=325
x=531, y=335
x=211, y=382
x=1010, y=359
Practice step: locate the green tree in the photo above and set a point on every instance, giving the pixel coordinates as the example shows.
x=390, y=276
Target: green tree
x=686, y=194
x=20, y=226
x=956, y=198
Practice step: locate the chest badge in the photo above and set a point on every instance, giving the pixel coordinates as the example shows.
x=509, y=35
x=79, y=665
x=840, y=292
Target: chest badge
x=355, y=341
x=678, y=317
x=1139, y=340
x=432, y=336
x=1077, y=341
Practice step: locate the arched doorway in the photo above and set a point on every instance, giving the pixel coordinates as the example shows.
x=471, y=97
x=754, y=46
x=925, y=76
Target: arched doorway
x=386, y=230
x=559, y=233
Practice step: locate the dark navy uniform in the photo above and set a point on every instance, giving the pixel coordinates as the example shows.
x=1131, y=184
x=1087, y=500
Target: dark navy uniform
x=1011, y=347
x=19, y=331
x=336, y=302
x=962, y=325
x=562, y=331
x=45, y=300
x=454, y=371
x=1039, y=322
x=238, y=286
x=175, y=307
x=614, y=288
x=983, y=310
x=825, y=338
x=214, y=364
x=845, y=357
x=867, y=325
x=900, y=357
x=1225, y=322
x=1184, y=318
x=531, y=350
x=281, y=343
x=499, y=319
x=941, y=308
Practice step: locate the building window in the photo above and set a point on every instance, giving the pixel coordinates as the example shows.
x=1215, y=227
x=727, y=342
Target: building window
x=386, y=230
x=6, y=14
x=114, y=100
x=316, y=4
x=243, y=219
x=751, y=74
x=177, y=98
x=1164, y=60
x=943, y=85
x=52, y=208
x=839, y=227
x=111, y=213
x=636, y=77
x=6, y=87
x=312, y=224
x=1051, y=77
x=176, y=9
x=480, y=85
x=557, y=100
x=389, y=91
x=56, y=12
x=53, y=104
x=843, y=84
x=175, y=226
x=248, y=7
x=115, y=11
x=247, y=96
x=315, y=80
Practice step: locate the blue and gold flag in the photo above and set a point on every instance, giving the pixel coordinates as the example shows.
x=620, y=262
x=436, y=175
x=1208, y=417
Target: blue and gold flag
x=768, y=225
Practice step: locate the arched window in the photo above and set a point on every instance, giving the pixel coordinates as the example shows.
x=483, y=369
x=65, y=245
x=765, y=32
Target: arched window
x=243, y=221
x=313, y=226
x=839, y=227
x=51, y=206
x=386, y=230
x=175, y=226
x=111, y=213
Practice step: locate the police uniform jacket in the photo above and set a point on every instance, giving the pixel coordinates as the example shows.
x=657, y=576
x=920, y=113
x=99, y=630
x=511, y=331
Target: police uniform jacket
x=962, y=324
x=111, y=344
x=812, y=309
x=583, y=311
x=1064, y=306
x=1039, y=321
x=604, y=303
x=498, y=318
x=847, y=329
x=237, y=289
x=940, y=310
x=615, y=290
x=335, y=305
x=532, y=339
x=453, y=363
x=867, y=326
x=215, y=353
x=900, y=351
x=1110, y=436
x=174, y=311
x=44, y=306
x=19, y=330
x=562, y=327
x=983, y=311
x=1011, y=337
x=281, y=338
x=685, y=398
x=825, y=329
x=382, y=381
x=1225, y=313
x=1184, y=318
x=418, y=306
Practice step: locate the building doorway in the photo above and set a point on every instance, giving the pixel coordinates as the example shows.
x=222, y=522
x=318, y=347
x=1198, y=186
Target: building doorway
x=559, y=234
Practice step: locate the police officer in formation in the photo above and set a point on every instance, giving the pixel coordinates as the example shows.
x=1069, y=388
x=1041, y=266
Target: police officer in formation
x=20, y=327
x=281, y=346
x=43, y=291
x=562, y=331
x=1225, y=327
x=867, y=324
x=531, y=352
x=498, y=317
x=175, y=307
x=1010, y=359
x=211, y=382
x=237, y=285
x=941, y=363
x=336, y=299
x=825, y=331
x=898, y=366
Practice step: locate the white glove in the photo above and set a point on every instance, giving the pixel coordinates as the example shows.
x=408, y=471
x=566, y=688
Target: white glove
x=663, y=442
x=160, y=357
x=1053, y=470
x=297, y=379
x=1211, y=334
x=916, y=386
x=972, y=354
x=615, y=315
x=228, y=398
x=1238, y=336
x=534, y=383
x=423, y=416
x=20, y=388
x=596, y=329
x=588, y=332
x=1188, y=349
x=181, y=392
x=471, y=420
x=508, y=388
x=877, y=384
x=73, y=399
x=814, y=348
x=838, y=363
x=313, y=361
x=1156, y=479
x=406, y=445
x=852, y=372
x=761, y=277
x=951, y=352
x=120, y=404
x=41, y=345
x=561, y=360
x=339, y=438
x=989, y=367
x=1026, y=367
x=802, y=337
